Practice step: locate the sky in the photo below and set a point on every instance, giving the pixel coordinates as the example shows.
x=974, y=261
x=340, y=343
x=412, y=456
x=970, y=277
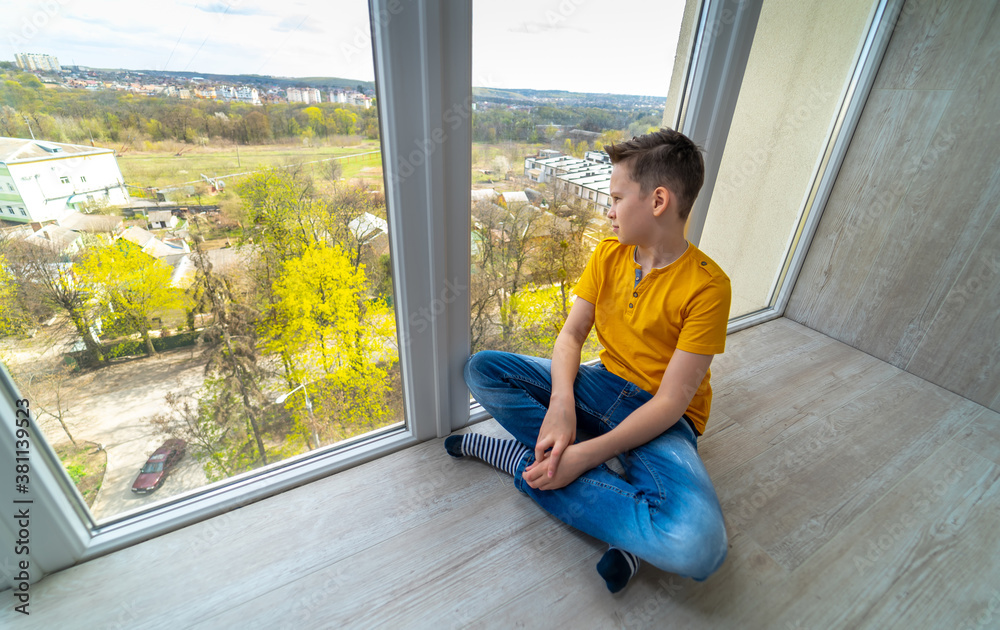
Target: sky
x=535, y=44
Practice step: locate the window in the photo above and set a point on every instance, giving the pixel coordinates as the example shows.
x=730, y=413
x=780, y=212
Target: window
x=23, y=212
x=10, y=187
x=83, y=179
x=428, y=230
x=317, y=237
x=528, y=254
x=10, y=209
x=791, y=94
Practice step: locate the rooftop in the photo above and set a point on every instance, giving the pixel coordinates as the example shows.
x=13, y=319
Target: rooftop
x=15, y=150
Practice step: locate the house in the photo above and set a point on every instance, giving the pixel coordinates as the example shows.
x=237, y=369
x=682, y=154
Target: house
x=509, y=199
x=45, y=181
x=155, y=247
x=161, y=219
x=58, y=238
x=372, y=231
x=484, y=194
x=93, y=223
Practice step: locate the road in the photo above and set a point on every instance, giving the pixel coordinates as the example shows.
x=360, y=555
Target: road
x=109, y=406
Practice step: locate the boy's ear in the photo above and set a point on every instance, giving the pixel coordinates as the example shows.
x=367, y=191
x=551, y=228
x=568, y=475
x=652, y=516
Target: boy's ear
x=662, y=199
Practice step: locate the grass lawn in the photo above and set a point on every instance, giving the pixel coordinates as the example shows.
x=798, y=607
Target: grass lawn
x=85, y=464
x=181, y=164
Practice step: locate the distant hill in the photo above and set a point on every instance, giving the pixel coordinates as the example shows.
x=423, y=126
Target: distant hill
x=512, y=96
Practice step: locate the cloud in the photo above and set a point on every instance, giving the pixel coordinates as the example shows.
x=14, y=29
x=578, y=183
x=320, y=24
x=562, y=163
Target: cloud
x=294, y=23
x=233, y=7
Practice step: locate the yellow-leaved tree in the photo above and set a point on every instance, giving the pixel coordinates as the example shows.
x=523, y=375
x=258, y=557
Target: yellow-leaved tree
x=336, y=341
x=132, y=285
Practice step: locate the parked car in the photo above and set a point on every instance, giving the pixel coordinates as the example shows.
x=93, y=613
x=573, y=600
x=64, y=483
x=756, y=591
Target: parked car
x=162, y=461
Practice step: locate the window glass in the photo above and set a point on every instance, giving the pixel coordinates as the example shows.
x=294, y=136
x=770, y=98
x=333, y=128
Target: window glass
x=539, y=169
x=789, y=98
x=225, y=277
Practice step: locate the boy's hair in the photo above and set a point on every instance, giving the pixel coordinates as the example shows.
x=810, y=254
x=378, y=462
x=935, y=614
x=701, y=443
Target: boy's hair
x=663, y=158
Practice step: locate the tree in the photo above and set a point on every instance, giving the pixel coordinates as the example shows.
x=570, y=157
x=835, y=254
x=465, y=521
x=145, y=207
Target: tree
x=232, y=397
x=132, y=284
x=40, y=269
x=333, y=339
x=11, y=316
x=506, y=239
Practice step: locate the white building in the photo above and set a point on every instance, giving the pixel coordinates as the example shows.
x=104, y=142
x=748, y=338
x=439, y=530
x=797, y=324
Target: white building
x=37, y=63
x=303, y=95
x=589, y=179
x=45, y=181
x=243, y=94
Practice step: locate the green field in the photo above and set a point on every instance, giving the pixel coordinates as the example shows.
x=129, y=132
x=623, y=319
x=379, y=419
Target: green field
x=172, y=166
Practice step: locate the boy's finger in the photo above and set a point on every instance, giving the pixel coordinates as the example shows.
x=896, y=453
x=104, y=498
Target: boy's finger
x=556, y=456
x=540, y=447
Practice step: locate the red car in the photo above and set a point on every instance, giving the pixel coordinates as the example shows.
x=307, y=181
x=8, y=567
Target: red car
x=162, y=461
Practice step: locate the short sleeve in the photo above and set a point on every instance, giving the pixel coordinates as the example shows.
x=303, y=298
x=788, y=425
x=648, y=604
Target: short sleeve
x=589, y=284
x=704, y=328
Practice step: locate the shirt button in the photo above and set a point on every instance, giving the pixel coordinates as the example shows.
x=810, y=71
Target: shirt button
x=630, y=305
x=635, y=294
x=704, y=263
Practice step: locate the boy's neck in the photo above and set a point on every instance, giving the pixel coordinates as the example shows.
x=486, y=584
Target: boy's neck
x=660, y=254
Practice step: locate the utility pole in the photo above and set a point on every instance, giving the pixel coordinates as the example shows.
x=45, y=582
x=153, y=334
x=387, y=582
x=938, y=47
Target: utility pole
x=28, y=122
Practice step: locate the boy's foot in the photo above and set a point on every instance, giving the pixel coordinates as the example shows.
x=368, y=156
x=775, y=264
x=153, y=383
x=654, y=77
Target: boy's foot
x=617, y=567
x=502, y=454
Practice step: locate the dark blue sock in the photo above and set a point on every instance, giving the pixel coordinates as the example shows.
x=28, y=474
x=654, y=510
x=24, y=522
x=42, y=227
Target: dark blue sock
x=617, y=567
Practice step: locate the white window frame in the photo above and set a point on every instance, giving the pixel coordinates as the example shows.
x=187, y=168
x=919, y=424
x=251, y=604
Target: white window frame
x=721, y=49
x=423, y=58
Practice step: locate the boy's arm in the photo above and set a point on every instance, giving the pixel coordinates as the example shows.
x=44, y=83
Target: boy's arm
x=680, y=381
x=558, y=429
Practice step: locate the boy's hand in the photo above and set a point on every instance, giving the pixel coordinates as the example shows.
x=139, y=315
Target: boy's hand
x=558, y=431
x=574, y=463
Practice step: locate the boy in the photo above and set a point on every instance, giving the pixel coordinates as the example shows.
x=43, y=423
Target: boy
x=661, y=308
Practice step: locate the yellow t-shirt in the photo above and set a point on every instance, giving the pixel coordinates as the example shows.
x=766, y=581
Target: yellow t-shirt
x=684, y=305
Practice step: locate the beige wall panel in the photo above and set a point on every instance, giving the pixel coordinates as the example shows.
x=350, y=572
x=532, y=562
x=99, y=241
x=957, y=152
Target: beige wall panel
x=932, y=42
x=947, y=207
x=961, y=350
x=894, y=132
x=796, y=72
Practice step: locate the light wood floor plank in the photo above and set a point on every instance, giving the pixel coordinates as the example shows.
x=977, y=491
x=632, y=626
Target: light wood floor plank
x=240, y=555
x=424, y=577
x=920, y=557
x=420, y=540
x=798, y=494
x=982, y=436
x=654, y=600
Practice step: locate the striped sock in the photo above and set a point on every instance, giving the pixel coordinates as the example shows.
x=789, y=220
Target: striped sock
x=617, y=567
x=502, y=454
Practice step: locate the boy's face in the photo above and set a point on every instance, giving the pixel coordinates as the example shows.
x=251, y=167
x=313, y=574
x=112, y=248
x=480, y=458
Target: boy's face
x=631, y=212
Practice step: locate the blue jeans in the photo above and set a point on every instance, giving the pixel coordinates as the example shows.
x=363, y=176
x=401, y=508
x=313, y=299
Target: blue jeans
x=665, y=509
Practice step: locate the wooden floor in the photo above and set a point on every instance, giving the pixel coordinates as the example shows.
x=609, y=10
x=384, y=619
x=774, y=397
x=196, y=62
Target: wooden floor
x=855, y=495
